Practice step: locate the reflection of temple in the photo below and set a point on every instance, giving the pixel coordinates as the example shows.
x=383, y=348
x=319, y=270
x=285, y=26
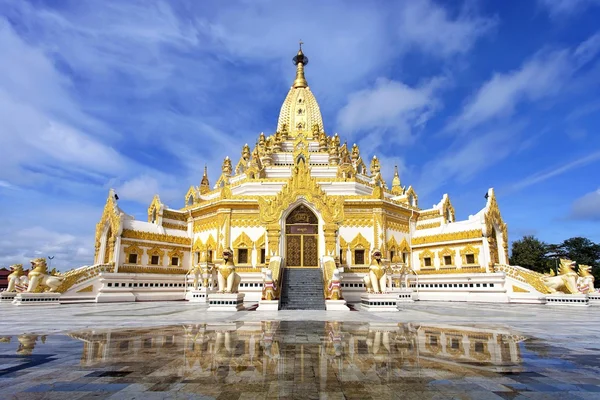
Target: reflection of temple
x=255, y=352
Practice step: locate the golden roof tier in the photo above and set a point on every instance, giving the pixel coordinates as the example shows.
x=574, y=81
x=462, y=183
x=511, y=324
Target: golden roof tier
x=300, y=110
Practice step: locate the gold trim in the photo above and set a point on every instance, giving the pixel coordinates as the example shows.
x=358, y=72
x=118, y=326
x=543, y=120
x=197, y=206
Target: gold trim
x=360, y=243
x=447, y=252
x=138, y=269
x=465, y=270
x=429, y=225
x=427, y=254
x=86, y=289
x=469, y=250
x=447, y=237
x=155, y=251
x=156, y=237
x=133, y=249
x=174, y=226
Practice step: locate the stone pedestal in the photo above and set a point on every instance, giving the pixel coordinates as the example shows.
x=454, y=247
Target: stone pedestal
x=268, y=305
x=578, y=300
x=7, y=297
x=198, y=295
x=225, y=301
x=379, y=302
x=404, y=295
x=336, y=305
x=594, y=299
x=37, y=299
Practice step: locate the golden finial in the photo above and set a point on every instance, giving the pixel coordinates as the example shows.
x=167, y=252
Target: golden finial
x=205, y=184
x=396, y=184
x=300, y=60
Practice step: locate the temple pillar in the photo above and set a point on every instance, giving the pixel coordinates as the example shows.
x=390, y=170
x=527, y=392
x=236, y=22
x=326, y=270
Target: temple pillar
x=273, y=237
x=329, y=231
x=378, y=230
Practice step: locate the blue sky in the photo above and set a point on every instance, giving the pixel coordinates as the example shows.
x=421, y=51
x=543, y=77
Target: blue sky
x=139, y=95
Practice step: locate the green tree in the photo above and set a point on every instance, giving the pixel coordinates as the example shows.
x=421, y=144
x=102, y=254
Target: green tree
x=530, y=252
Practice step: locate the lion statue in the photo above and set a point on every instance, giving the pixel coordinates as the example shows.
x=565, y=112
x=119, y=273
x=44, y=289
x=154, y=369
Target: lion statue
x=376, y=280
x=585, y=279
x=228, y=279
x=40, y=278
x=16, y=278
x=565, y=281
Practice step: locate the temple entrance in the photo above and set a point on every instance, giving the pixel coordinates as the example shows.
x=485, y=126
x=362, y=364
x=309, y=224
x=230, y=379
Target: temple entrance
x=301, y=239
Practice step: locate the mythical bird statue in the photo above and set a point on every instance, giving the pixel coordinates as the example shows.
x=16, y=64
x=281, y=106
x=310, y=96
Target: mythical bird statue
x=565, y=281
x=39, y=277
x=229, y=280
x=271, y=279
x=376, y=280
x=585, y=279
x=16, y=278
x=333, y=280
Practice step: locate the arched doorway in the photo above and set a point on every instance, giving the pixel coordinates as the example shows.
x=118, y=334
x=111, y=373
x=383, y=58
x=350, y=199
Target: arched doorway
x=301, y=238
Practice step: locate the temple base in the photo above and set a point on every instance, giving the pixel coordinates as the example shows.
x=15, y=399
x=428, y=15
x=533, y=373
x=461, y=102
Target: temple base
x=379, y=302
x=268, y=305
x=336, y=305
x=7, y=297
x=404, y=295
x=226, y=301
x=198, y=295
x=37, y=299
x=580, y=300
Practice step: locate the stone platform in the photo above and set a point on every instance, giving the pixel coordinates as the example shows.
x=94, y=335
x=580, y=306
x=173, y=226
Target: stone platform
x=268, y=305
x=577, y=300
x=379, y=302
x=226, y=301
x=31, y=299
x=198, y=295
x=7, y=297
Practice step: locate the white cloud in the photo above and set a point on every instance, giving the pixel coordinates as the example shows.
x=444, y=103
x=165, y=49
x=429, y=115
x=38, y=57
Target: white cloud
x=466, y=158
x=563, y=8
x=561, y=169
x=33, y=100
x=390, y=105
x=544, y=75
x=429, y=27
x=587, y=207
x=69, y=250
x=344, y=42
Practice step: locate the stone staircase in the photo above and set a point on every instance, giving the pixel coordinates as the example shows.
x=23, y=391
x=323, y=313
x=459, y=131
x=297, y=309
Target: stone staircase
x=302, y=289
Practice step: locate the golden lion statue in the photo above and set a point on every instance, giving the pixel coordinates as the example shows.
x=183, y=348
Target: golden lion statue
x=40, y=278
x=229, y=280
x=565, y=281
x=16, y=277
x=376, y=280
x=585, y=279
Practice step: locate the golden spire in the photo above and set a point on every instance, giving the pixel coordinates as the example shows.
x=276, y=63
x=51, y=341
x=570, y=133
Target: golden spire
x=300, y=61
x=396, y=186
x=204, y=184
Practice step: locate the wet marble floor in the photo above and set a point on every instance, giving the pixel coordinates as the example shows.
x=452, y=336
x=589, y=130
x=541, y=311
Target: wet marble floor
x=264, y=359
x=179, y=350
